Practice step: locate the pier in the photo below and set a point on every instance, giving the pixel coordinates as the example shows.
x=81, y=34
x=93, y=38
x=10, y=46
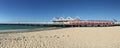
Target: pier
x=45, y=24
x=68, y=22
x=52, y=24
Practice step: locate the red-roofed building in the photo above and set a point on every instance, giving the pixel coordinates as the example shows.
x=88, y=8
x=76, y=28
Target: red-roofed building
x=79, y=22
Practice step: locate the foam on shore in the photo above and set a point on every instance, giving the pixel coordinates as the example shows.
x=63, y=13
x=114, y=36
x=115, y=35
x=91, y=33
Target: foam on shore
x=27, y=30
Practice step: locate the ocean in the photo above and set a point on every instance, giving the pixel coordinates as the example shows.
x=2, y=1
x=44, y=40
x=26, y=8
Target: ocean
x=16, y=28
x=6, y=27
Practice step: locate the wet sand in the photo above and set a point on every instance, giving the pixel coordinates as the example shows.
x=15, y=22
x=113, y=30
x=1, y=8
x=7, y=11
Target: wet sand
x=77, y=37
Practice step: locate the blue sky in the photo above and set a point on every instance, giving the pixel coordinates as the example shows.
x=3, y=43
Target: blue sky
x=45, y=10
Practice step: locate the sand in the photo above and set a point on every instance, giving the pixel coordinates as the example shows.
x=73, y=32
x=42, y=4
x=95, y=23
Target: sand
x=76, y=37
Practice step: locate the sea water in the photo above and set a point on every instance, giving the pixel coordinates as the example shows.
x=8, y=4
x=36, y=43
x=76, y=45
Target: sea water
x=22, y=28
x=7, y=27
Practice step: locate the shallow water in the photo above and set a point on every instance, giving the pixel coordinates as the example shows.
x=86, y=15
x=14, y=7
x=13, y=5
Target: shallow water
x=4, y=28
x=7, y=27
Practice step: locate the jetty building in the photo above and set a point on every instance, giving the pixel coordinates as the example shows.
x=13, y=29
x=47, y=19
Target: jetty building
x=69, y=21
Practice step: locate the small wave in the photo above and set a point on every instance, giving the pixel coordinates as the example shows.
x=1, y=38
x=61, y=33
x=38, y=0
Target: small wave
x=26, y=30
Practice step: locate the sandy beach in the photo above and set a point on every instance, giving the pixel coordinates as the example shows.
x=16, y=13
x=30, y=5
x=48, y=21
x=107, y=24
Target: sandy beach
x=76, y=37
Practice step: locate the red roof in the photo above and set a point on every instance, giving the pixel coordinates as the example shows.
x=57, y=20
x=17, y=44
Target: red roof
x=91, y=22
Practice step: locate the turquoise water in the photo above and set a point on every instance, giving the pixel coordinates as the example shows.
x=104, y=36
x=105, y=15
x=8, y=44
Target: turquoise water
x=6, y=27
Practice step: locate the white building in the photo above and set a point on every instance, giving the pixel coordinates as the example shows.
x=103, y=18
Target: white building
x=62, y=20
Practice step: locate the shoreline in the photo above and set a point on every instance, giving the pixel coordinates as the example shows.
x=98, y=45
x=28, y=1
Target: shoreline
x=28, y=30
x=42, y=29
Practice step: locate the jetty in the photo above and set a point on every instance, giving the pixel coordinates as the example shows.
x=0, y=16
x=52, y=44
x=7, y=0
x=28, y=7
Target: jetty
x=68, y=22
